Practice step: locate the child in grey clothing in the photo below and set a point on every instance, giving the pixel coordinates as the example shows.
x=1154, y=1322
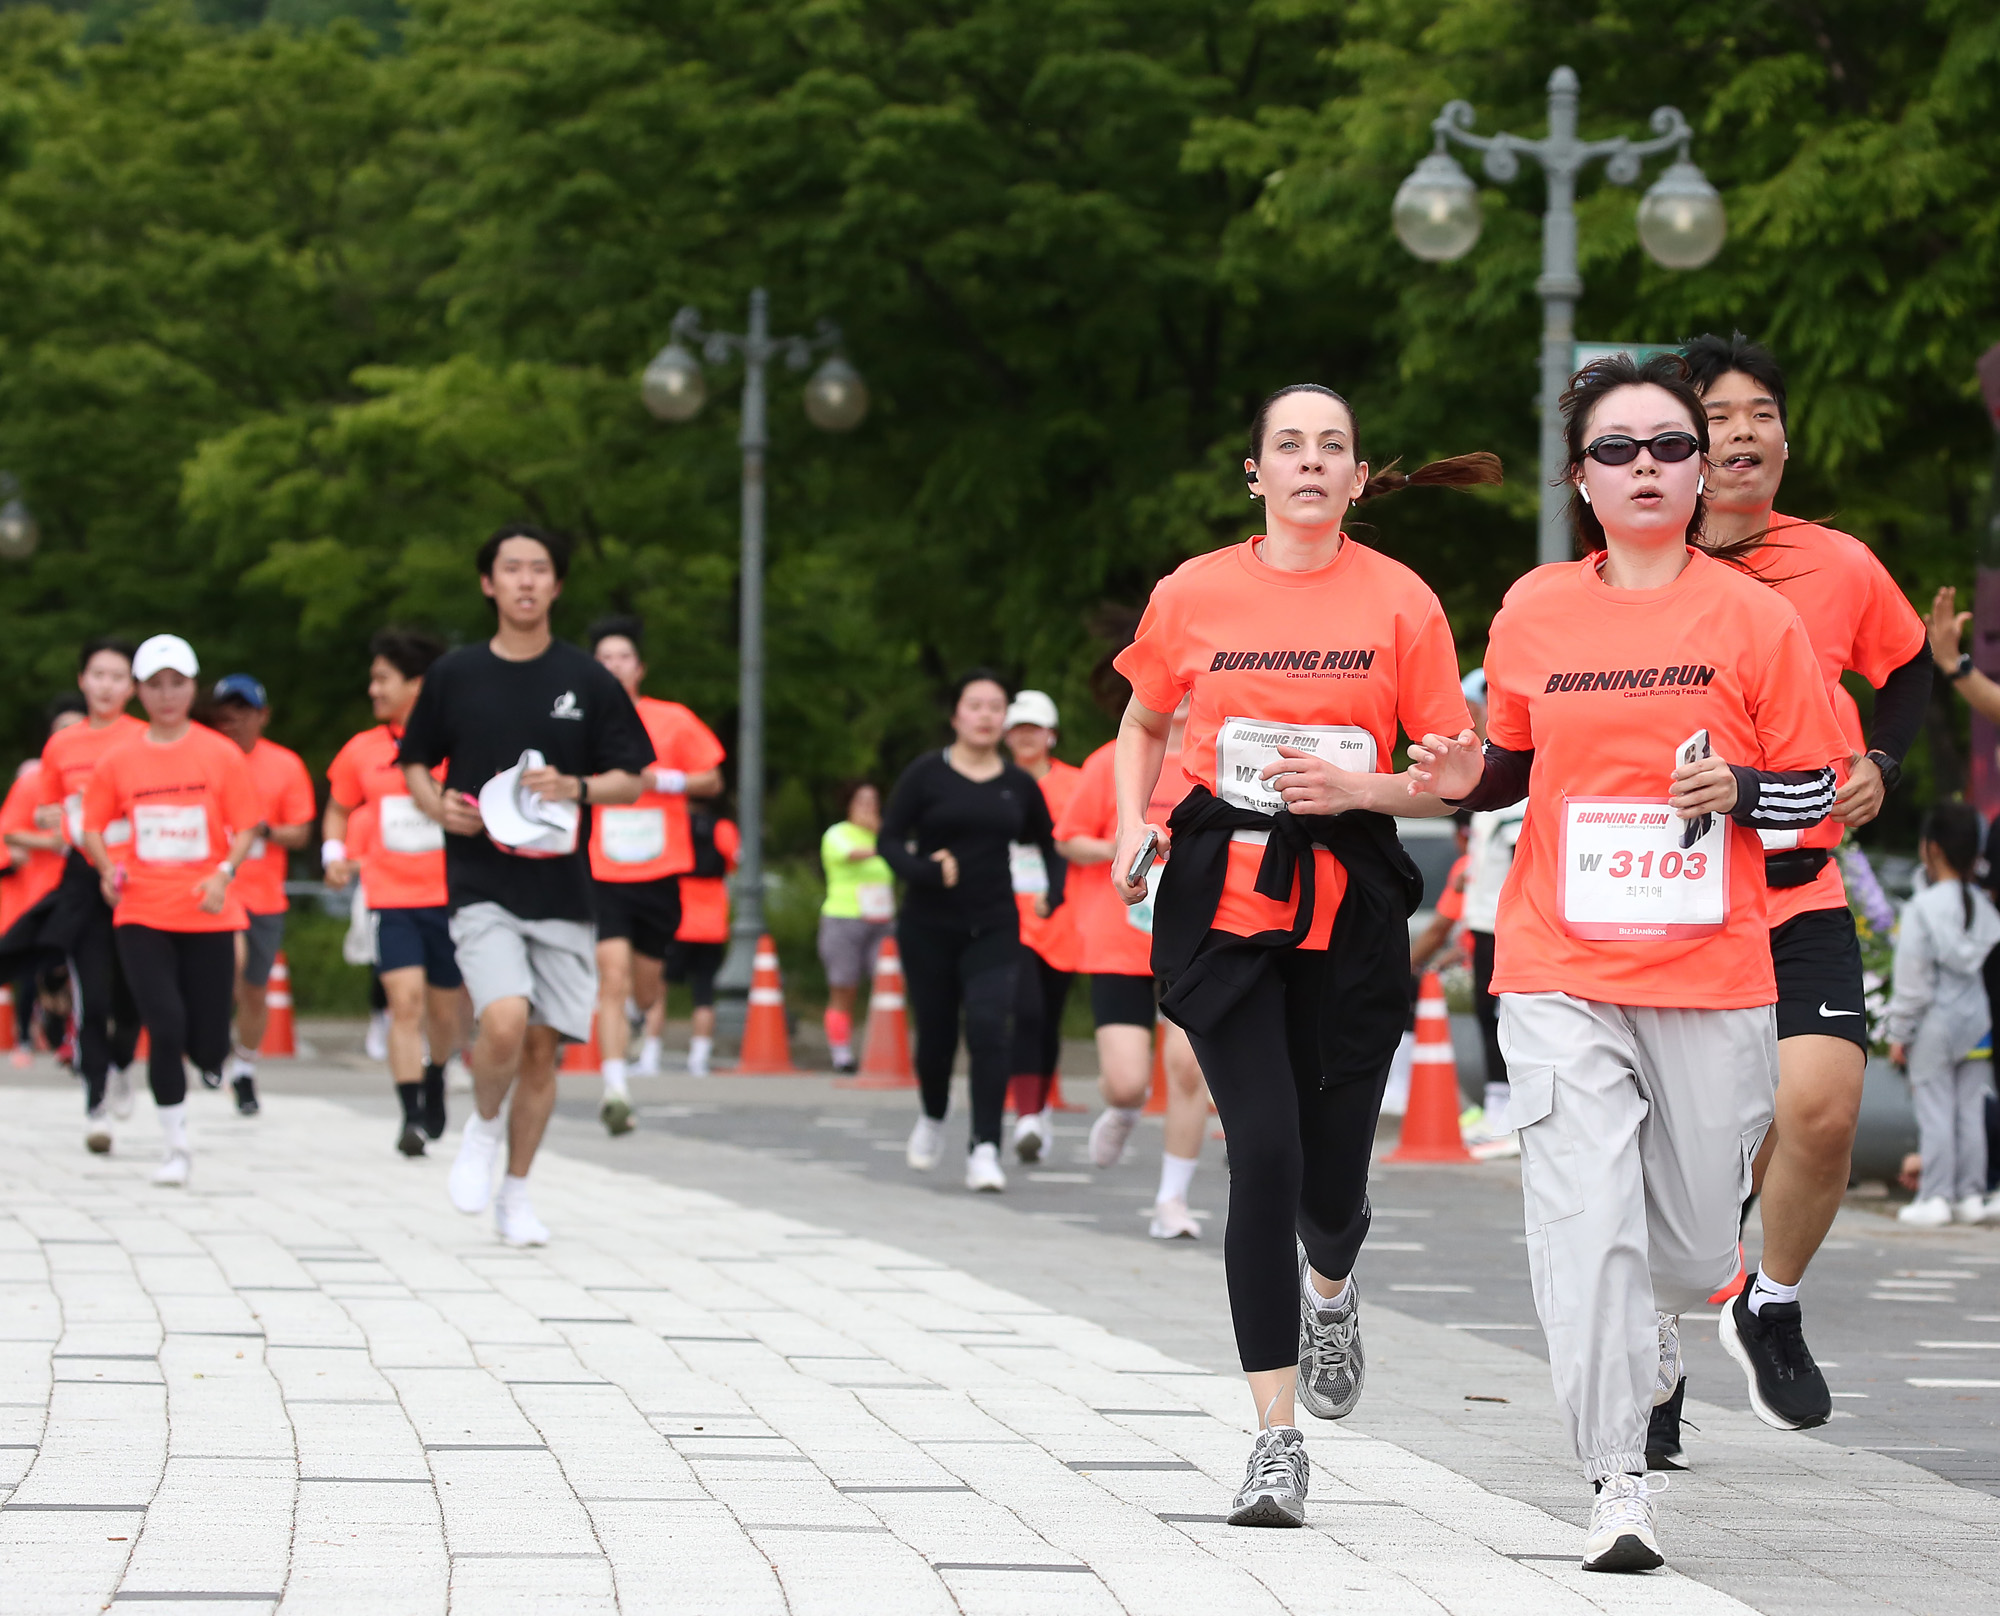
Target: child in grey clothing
x=1939, y=1012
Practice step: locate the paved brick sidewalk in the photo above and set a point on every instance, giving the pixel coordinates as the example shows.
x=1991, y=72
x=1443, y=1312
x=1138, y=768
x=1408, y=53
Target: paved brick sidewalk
x=305, y=1381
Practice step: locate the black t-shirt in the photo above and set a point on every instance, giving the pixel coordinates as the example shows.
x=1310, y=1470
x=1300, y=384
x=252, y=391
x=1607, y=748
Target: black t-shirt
x=934, y=806
x=478, y=713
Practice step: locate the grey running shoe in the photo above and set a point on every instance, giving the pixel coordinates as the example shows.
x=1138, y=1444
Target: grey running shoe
x=1274, y=1482
x=1331, y=1368
x=615, y=1114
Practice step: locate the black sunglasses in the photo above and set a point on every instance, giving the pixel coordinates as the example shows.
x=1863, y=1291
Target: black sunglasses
x=1669, y=448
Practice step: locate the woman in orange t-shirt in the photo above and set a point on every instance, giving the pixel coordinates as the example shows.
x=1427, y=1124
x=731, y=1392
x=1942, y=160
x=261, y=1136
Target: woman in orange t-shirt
x=1657, y=708
x=193, y=807
x=1280, y=927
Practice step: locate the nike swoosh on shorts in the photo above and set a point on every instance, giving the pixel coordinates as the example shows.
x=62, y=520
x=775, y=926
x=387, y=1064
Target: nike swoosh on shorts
x=1830, y=1014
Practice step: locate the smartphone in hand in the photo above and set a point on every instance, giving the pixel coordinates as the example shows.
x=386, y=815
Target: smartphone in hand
x=1693, y=750
x=1144, y=859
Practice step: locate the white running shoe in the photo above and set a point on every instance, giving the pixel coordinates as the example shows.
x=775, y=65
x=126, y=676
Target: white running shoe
x=173, y=1169
x=1993, y=1207
x=648, y=1063
x=479, y=1147
x=118, y=1093
x=926, y=1147
x=1173, y=1221
x=1495, y=1149
x=982, y=1169
x=514, y=1218
x=1031, y=1136
x=1668, y=1377
x=700, y=1051
x=1932, y=1212
x=1621, y=1536
x=1969, y=1209
x=376, y=1044
x=97, y=1132
x=1110, y=1133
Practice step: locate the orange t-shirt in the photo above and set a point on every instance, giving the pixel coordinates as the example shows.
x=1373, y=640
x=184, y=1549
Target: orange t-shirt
x=1108, y=943
x=649, y=839
x=185, y=802
x=705, y=898
x=1054, y=939
x=68, y=758
x=1857, y=619
x=403, y=864
x=1451, y=901
x=1333, y=658
x=285, y=790
x=30, y=876
x=1714, y=649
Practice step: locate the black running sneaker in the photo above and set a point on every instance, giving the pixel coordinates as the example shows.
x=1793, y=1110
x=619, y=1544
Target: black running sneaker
x=411, y=1141
x=1663, y=1433
x=246, y=1096
x=430, y=1114
x=1786, y=1388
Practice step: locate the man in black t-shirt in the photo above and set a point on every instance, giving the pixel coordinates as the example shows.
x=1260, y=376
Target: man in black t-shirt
x=533, y=733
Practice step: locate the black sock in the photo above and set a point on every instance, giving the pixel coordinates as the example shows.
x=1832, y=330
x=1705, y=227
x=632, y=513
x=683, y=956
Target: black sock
x=434, y=1077
x=412, y=1096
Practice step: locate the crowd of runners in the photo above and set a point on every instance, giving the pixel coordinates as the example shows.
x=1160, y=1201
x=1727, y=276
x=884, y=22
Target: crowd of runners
x=1651, y=769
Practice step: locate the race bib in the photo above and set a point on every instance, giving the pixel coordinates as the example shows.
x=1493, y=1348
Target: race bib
x=876, y=900
x=118, y=833
x=1245, y=747
x=406, y=828
x=1780, y=841
x=73, y=817
x=1625, y=875
x=171, y=835
x=1024, y=864
x=633, y=835
x=1139, y=916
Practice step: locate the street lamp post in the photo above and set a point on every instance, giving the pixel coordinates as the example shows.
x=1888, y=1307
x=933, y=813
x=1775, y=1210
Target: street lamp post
x=836, y=400
x=1681, y=225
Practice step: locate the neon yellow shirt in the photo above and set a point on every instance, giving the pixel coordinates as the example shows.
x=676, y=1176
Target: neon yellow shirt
x=856, y=889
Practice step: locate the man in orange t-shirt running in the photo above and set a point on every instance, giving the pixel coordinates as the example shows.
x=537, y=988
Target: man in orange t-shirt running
x=1858, y=621
x=190, y=806
x=285, y=789
x=34, y=859
x=639, y=854
x=72, y=925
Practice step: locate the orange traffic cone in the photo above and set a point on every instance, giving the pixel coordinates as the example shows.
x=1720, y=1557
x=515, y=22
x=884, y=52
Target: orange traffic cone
x=1156, y=1095
x=9, y=1037
x=767, y=1046
x=1430, y=1124
x=280, y=1038
x=885, y=1055
x=583, y=1057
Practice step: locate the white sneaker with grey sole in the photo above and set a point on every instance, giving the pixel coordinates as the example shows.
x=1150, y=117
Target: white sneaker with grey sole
x=1621, y=1536
x=174, y=1169
x=983, y=1171
x=926, y=1147
x=514, y=1216
x=479, y=1147
x=1274, y=1482
x=118, y=1093
x=1110, y=1133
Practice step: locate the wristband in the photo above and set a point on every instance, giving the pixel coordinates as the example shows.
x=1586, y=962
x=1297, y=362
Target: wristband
x=1964, y=667
x=332, y=851
x=674, y=782
x=228, y=870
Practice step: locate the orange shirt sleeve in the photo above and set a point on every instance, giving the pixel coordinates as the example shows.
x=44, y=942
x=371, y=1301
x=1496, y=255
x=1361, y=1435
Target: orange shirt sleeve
x=343, y=779
x=1451, y=901
x=242, y=808
x=18, y=811
x=1429, y=696
x=1508, y=724
x=728, y=841
x=691, y=746
x=1149, y=662
x=101, y=802
x=1090, y=807
x=1888, y=631
x=1795, y=721
x=296, y=803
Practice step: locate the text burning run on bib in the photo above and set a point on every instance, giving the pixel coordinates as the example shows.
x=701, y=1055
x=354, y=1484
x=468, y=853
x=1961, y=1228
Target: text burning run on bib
x=1293, y=661
x=1685, y=676
x=1621, y=816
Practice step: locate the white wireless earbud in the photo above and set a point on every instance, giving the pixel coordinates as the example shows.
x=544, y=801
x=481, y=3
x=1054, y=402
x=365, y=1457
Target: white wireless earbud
x=1585, y=492
x=1700, y=484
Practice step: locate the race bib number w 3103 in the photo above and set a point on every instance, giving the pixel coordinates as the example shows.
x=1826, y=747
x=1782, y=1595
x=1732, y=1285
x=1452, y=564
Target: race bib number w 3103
x=1245, y=747
x=1625, y=875
x=169, y=833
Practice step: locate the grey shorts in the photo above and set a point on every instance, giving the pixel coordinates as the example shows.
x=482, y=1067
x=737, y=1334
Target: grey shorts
x=261, y=942
x=550, y=963
x=847, y=948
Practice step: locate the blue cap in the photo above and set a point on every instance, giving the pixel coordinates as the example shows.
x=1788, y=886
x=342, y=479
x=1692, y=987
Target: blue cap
x=241, y=687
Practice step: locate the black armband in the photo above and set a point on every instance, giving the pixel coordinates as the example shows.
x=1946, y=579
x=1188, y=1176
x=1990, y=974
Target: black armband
x=1781, y=799
x=1504, y=783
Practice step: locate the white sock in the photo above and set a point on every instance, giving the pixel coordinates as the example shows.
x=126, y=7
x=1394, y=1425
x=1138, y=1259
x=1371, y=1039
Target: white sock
x=1176, y=1176
x=649, y=1052
x=1496, y=1107
x=174, y=1125
x=1769, y=1290
x=514, y=1189
x=699, y=1048
x=1327, y=1304
x=843, y=1052
x=614, y=1078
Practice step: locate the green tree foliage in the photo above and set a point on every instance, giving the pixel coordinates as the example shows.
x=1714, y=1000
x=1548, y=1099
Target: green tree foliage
x=296, y=320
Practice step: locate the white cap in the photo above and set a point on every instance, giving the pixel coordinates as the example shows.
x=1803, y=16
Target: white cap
x=1032, y=707
x=164, y=651
x=522, y=822
x=1474, y=686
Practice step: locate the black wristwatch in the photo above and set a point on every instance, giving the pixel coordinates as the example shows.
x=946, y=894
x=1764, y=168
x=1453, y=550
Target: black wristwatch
x=1892, y=771
x=1964, y=667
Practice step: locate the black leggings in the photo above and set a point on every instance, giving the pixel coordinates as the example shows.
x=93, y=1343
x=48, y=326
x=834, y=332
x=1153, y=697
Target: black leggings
x=1298, y=1154
x=1040, y=994
x=943, y=971
x=185, y=982
x=1486, y=1007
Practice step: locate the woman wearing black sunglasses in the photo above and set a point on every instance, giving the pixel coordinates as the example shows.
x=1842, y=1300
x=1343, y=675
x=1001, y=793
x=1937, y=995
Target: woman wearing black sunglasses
x=1656, y=707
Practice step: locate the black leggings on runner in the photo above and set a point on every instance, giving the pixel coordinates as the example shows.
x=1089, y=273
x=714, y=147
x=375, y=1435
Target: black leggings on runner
x=944, y=970
x=185, y=982
x=1040, y=994
x=1485, y=1007
x=1298, y=1154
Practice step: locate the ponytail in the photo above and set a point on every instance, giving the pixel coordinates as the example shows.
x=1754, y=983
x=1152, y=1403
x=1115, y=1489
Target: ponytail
x=1954, y=828
x=1459, y=471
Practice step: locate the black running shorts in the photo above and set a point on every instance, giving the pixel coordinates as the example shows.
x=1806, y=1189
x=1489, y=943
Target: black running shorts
x=1122, y=1001
x=644, y=913
x=1818, y=960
